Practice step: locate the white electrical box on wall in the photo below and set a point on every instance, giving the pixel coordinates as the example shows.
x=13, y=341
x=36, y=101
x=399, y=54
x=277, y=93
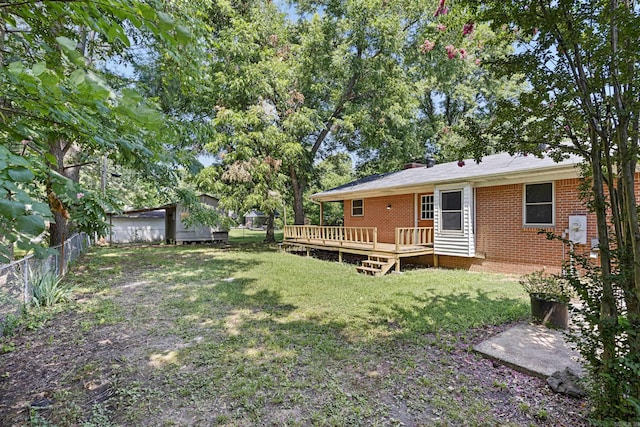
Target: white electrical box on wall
x=578, y=229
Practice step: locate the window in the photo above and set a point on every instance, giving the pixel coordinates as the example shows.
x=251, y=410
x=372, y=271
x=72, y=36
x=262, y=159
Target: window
x=451, y=208
x=538, y=204
x=426, y=207
x=357, y=207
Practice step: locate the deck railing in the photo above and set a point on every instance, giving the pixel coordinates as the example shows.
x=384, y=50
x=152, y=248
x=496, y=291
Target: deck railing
x=341, y=235
x=368, y=236
x=413, y=236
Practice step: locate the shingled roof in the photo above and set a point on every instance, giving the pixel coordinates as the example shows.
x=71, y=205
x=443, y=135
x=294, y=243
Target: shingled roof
x=492, y=170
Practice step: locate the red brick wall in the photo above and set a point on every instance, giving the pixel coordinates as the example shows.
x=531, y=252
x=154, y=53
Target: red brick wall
x=507, y=245
x=479, y=264
x=502, y=242
x=376, y=214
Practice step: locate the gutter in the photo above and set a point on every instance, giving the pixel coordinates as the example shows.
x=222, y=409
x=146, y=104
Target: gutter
x=566, y=171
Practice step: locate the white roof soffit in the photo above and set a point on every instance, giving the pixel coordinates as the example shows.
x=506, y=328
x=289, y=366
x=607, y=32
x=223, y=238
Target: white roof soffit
x=498, y=169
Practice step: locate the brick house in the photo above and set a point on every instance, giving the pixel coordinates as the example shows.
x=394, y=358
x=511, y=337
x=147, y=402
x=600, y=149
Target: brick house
x=483, y=217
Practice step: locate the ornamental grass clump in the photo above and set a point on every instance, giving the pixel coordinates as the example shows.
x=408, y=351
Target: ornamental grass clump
x=546, y=287
x=48, y=290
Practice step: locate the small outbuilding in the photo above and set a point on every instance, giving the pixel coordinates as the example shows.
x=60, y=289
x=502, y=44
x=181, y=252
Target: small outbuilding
x=138, y=227
x=165, y=224
x=254, y=219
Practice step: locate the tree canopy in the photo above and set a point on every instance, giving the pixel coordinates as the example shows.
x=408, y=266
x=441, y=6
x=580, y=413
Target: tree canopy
x=59, y=112
x=580, y=61
x=350, y=77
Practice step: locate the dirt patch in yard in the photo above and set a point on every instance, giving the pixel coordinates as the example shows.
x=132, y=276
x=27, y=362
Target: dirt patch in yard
x=135, y=350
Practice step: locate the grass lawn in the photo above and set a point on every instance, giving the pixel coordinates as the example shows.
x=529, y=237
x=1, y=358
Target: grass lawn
x=246, y=336
x=244, y=235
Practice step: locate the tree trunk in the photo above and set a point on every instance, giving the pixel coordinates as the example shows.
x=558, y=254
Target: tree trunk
x=297, y=186
x=59, y=229
x=270, y=237
x=608, y=312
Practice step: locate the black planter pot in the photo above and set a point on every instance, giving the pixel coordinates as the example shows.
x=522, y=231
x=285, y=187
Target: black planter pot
x=550, y=313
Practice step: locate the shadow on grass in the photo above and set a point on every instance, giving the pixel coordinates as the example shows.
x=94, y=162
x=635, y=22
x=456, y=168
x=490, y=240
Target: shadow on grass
x=234, y=293
x=242, y=355
x=252, y=247
x=274, y=358
x=450, y=313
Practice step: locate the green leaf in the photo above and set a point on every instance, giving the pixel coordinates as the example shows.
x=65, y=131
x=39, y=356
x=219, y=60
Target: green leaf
x=67, y=43
x=51, y=159
x=41, y=209
x=11, y=209
x=24, y=245
x=32, y=224
x=69, y=48
x=18, y=160
x=117, y=33
x=135, y=21
x=131, y=94
x=147, y=12
x=166, y=21
x=9, y=19
x=39, y=68
x=16, y=67
x=49, y=80
x=4, y=255
x=183, y=35
x=21, y=175
x=41, y=252
x=77, y=77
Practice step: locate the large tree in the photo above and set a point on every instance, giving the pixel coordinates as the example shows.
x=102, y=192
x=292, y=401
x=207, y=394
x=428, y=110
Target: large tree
x=333, y=171
x=59, y=113
x=352, y=76
x=580, y=60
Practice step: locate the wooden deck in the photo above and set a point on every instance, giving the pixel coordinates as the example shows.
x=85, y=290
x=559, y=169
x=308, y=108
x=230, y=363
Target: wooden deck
x=409, y=241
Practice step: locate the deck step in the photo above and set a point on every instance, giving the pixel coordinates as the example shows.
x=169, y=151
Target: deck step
x=385, y=258
x=369, y=270
x=376, y=265
x=370, y=262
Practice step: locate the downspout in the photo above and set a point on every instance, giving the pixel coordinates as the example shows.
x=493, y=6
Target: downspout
x=474, y=202
x=415, y=210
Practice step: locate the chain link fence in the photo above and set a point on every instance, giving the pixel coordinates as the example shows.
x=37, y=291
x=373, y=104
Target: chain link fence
x=16, y=278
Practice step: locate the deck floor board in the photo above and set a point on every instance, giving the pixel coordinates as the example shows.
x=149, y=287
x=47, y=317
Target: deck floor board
x=361, y=248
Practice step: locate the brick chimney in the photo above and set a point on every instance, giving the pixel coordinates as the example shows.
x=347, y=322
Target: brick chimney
x=412, y=165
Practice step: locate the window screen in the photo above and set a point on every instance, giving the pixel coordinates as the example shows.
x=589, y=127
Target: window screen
x=451, y=208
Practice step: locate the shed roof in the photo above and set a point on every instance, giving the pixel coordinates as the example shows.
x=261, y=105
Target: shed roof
x=203, y=198
x=157, y=213
x=254, y=214
x=496, y=169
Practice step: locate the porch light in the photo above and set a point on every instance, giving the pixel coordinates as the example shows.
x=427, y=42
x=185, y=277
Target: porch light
x=389, y=206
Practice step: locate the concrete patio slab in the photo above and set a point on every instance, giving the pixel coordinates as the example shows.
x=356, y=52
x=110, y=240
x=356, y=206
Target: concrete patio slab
x=534, y=349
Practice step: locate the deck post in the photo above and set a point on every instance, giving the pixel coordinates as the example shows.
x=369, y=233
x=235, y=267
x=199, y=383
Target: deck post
x=308, y=251
x=375, y=238
x=397, y=240
x=340, y=257
x=398, y=265
x=435, y=261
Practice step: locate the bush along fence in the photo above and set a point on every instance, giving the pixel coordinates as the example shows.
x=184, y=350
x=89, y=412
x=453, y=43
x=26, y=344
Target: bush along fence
x=17, y=278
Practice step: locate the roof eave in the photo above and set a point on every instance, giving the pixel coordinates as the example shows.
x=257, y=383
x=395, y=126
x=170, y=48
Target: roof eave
x=555, y=172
